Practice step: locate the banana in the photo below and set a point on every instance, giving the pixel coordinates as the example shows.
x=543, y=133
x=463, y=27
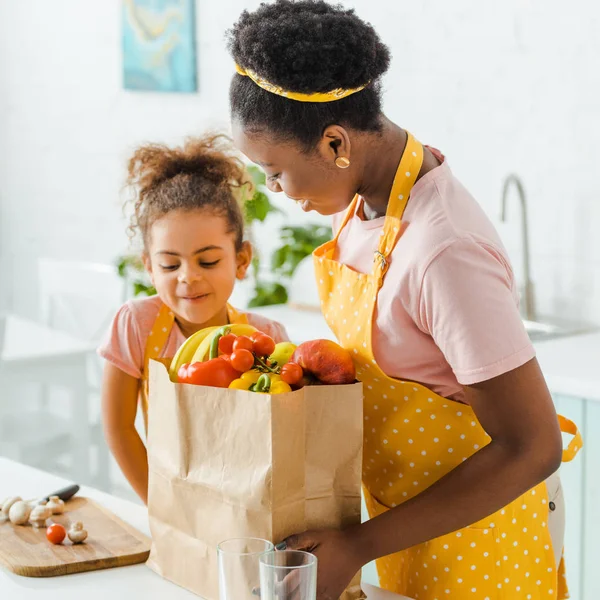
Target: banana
x=202, y=349
x=187, y=349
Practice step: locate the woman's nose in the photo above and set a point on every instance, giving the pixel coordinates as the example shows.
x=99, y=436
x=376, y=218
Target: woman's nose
x=274, y=186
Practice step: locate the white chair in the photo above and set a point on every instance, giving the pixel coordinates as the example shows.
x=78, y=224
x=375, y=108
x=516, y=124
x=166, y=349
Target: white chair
x=81, y=298
x=28, y=436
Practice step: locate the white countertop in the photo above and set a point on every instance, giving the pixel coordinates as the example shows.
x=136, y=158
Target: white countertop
x=49, y=342
x=121, y=583
x=571, y=365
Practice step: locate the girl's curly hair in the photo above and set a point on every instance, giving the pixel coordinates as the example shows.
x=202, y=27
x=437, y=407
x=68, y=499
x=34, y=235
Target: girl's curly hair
x=205, y=173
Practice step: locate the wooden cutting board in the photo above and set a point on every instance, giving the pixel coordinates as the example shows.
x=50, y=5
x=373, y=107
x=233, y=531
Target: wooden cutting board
x=111, y=542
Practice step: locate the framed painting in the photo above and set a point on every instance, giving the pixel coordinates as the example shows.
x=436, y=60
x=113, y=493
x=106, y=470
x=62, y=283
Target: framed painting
x=159, y=46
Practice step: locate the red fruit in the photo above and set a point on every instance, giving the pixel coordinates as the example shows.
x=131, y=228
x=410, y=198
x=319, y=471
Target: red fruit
x=56, y=533
x=242, y=360
x=264, y=345
x=226, y=343
x=243, y=342
x=326, y=360
x=291, y=373
x=217, y=372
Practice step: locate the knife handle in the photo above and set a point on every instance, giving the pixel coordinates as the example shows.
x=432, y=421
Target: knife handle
x=65, y=493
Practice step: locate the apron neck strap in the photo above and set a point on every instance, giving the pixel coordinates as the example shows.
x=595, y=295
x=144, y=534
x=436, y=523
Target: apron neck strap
x=349, y=214
x=158, y=335
x=235, y=316
x=406, y=175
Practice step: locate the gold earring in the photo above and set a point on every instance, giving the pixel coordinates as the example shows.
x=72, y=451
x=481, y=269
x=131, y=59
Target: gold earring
x=342, y=162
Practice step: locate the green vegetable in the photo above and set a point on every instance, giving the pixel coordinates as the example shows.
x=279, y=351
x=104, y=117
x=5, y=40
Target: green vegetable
x=214, y=343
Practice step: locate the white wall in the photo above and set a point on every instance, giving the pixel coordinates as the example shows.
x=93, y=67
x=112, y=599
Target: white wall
x=499, y=87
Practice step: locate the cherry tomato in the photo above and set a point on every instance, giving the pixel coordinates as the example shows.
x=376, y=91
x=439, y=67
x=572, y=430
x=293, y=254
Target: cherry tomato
x=242, y=360
x=56, y=533
x=226, y=343
x=242, y=342
x=264, y=345
x=291, y=373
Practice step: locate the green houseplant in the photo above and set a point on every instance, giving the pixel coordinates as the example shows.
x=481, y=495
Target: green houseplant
x=297, y=242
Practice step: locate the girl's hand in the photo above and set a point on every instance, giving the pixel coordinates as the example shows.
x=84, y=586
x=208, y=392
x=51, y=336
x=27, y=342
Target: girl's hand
x=338, y=559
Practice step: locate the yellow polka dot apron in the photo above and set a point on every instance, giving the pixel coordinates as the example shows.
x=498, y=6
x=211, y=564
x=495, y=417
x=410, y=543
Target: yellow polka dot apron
x=159, y=334
x=413, y=437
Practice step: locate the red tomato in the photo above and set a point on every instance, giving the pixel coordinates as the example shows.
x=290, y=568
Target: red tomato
x=242, y=360
x=56, y=533
x=291, y=373
x=226, y=343
x=242, y=342
x=264, y=345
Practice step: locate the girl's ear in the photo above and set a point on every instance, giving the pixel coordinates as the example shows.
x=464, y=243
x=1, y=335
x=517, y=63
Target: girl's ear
x=243, y=259
x=148, y=265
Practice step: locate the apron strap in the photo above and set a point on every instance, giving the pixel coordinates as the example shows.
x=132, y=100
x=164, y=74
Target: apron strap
x=406, y=175
x=235, y=316
x=158, y=335
x=157, y=339
x=567, y=426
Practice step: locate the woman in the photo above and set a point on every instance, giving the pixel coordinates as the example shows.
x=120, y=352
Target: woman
x=460, y=429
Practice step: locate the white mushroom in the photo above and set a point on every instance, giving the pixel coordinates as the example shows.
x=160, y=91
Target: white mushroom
x=38, y=515
x=19, y=513
x=77, y=533
x=56, y=505
x=8, y=503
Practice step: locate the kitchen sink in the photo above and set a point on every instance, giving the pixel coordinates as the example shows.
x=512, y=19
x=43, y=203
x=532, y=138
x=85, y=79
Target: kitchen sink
x=542, y=331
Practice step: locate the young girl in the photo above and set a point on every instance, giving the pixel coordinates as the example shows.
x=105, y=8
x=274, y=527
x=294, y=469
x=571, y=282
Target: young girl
x=460, y=432
x=192, y=230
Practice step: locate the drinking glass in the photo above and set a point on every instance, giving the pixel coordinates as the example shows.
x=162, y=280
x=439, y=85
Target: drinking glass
x=288, y=575
x=238, y=567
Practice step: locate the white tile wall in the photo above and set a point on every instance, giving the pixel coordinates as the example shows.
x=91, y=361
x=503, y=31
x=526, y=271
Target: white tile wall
x=499, y=87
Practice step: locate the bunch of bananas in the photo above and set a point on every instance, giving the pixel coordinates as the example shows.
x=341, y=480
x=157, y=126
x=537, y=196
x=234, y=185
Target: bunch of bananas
x=197, y=347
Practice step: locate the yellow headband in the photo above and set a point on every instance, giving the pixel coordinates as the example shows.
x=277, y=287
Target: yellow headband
x=316, y=97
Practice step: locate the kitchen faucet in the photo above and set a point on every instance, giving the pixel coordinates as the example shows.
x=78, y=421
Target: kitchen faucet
x=528, y=305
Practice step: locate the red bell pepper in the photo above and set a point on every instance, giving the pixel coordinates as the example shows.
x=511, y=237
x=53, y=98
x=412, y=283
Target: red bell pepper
x=216, y=372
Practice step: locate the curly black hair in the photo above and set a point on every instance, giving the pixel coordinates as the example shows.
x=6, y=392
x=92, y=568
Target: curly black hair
x=306, y=46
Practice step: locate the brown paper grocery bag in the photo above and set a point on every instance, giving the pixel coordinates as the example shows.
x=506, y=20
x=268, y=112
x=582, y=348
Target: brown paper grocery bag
x=230, y=463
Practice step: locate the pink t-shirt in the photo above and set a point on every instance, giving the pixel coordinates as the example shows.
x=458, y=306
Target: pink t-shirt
x=126, y=339
x=447, y=313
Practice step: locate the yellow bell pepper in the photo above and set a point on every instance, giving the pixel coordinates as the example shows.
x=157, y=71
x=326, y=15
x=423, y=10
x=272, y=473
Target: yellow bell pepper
x=240, y=384
x=279, y=387
x=250, y=376
x=270, y=383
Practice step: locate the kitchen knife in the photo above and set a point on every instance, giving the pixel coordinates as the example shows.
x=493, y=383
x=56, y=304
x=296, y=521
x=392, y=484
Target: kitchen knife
x=64, y=494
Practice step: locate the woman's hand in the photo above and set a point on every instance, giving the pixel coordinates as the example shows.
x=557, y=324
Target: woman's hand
x=338, y=558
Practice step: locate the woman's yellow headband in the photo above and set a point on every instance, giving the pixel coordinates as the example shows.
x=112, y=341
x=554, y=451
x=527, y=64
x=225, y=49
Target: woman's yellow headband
x=316, y=97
